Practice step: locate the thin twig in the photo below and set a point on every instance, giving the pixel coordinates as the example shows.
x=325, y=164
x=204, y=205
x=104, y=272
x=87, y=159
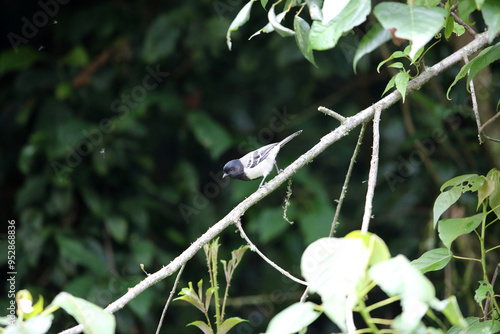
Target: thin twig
x=460, y=21
x=372, y=178
x=475, y=108
x=332, y=113
x=274, y=265
x=489, y=122
x=169, y=298
x=350, y=123
x=346, y=181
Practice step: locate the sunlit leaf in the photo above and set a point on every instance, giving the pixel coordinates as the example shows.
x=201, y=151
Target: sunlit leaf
x=281, y=30
x=228, y=324
x=315, y=9
x=293, y=318
x=92, y=317
x=401, y=81
x=417, y=24
x=240, y=19
x=202, y=326
x=332, y=8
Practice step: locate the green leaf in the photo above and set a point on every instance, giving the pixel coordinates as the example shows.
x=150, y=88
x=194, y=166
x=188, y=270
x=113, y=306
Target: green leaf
x=389, y=85
x=435, y=259
x=24, y=57
x=396, y=65
x=76, y=57
x=374, y=38
x=458, y=29
x=190, y=296
x=482, y=292
x=228, y=324
x=427, y=3
x=302, y=38
x=483, y=59
x=269, y=224
x=398, y=277
x=467, y=182
x=209, y=133
x=325, y=36
x=281, y=30
x=449, y=26
x=161, y=38
x=417, y=24
x=202, y=326
x=485, y=191
x=315, y=9
x=92, y=317
x=402, y=79
x=479, y=4
x=450, y=229
x=293, y=318
x=376, y=246
x=494, y=177
x=263, y=3
x=395, y=54
x=240, y=19
x=117, y=227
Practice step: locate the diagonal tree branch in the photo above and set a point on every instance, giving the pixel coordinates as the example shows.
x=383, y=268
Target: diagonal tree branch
x=234, y=215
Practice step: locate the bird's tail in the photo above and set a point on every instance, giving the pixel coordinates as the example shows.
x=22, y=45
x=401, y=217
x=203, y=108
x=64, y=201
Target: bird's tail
x=290, y=137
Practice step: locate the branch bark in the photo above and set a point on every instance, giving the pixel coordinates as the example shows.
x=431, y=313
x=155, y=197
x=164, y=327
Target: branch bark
x=343, y=130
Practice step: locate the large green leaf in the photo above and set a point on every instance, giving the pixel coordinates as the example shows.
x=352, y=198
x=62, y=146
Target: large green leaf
x=375, y=37
x=475, y=325
x=417, y=24
x=293, y=318
x=450, y=229
x=209, y=133
x=92, y=317
x=325, y=36
x=435, y=259
x=240, y=19
x=483, y=59
x=332, y=8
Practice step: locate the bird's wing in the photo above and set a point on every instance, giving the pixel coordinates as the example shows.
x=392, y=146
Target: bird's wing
x=253, y=158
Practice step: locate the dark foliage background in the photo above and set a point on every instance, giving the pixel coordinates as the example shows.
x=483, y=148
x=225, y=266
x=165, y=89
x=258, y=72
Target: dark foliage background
x=102, y=171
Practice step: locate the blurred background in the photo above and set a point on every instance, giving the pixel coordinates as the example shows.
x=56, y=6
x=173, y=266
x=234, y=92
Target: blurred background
x=116, y=118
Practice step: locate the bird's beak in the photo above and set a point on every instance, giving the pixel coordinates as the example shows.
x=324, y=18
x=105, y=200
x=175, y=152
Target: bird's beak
x=224, y=176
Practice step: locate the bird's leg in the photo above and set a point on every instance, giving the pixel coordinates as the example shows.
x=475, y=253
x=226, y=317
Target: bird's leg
x=277, y=169
x=262, y=182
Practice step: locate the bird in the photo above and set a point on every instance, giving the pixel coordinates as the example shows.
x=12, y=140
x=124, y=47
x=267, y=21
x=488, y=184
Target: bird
x=258, y=163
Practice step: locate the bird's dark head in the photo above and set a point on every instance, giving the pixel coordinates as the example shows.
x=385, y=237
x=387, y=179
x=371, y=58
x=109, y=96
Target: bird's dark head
x=234, y=169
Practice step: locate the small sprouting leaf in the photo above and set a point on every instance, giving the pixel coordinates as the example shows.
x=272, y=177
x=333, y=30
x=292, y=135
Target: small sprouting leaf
x=397, y=64
x=390, y=84
x=208, y=297
x=228, y=324
x=374, y=38
x=450, y=229
x=402, y=79
x=395, y=54
x=483, y=59
x=240, y=19
x=293, y=318
x=435, y=259
x=302, y=38
x=202, y=326
x=190, y=296
x=281, y=30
